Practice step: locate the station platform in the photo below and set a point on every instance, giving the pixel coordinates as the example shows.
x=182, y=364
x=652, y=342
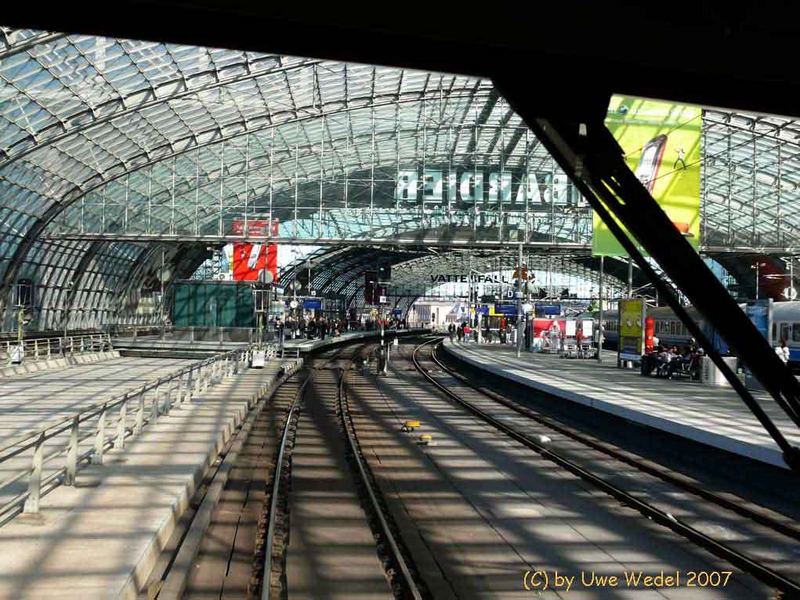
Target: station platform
x=102, y=537
x=27, y=401
x=708, y=415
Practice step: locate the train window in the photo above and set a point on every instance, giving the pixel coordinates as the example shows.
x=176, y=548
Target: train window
x=786, y=332
x=796, y=332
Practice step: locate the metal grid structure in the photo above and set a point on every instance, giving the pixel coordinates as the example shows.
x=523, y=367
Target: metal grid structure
x=338, y=274
x=116, y=155
x=751, y=183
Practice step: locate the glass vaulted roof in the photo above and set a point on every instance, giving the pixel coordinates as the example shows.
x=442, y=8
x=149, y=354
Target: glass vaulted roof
x=126, y=139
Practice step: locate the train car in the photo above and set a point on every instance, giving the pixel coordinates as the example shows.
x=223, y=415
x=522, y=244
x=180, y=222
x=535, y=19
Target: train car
x=786, y=326
x=670, y=330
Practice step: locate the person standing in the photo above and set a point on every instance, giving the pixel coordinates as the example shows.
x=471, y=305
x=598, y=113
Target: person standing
x=783, y=352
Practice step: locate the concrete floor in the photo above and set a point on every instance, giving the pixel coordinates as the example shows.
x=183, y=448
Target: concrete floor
x=101, y=538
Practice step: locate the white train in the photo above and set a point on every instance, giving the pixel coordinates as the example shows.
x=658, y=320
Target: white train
x=669, y=329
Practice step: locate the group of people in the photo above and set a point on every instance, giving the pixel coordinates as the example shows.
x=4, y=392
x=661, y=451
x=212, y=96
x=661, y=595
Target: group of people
x=309, y=327
x=463, y=331
x=318, y=327
x=667, y=361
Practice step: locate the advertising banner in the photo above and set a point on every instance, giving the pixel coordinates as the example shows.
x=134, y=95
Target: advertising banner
x=587, y=329
x=661, y=142
x=543, y=327
x=571, y=328
x=631, y=329
x=250, y=259
x=760, y=313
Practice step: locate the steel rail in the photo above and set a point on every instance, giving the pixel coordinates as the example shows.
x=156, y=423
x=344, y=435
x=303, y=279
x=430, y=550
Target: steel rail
x=355, y=447
x=735, y=505
x=738, y=559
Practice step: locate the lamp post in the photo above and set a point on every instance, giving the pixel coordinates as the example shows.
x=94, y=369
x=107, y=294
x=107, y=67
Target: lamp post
x=757, y=266
x=600, y=318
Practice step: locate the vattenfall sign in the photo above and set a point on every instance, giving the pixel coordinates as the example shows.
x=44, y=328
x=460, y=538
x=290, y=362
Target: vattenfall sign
x=474, y=278
x=512, y=190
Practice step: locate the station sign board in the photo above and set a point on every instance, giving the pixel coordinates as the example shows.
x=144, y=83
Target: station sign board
x=255, y=227
x=312, y=304
x=509, y=310
x=547, y=310
x=489, y=186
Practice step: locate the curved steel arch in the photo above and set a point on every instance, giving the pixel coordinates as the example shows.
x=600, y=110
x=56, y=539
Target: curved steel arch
x=57, y=208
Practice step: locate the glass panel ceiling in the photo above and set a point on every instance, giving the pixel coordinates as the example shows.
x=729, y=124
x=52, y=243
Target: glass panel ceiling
x=144, y=137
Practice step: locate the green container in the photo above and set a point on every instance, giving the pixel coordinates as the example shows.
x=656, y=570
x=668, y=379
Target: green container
x=213, y=304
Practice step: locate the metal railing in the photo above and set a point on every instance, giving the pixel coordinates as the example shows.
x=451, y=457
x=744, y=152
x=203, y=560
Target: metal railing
x=134, y=331
x=43, y=348
x=103, y=431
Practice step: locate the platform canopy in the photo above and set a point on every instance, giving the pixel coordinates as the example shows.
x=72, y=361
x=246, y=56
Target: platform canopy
x=124, y=163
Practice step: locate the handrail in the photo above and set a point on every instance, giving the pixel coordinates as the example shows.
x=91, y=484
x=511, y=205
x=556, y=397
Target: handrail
x=110, y=403
x=39, y=348
x=191, y=380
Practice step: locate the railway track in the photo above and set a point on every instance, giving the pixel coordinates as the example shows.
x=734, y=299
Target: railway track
x=771, y=538
x=327, y=378
x=211, y=552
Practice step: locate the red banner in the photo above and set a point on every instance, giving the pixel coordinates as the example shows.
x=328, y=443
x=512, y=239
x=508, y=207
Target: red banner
x=272, y=260
x=542, y=327
x=250, y=259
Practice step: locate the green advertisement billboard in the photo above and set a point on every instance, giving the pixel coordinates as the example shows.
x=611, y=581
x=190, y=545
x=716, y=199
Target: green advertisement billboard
x=661, y=142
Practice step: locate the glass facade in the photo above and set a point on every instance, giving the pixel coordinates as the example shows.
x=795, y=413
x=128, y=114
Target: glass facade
x=117, y=155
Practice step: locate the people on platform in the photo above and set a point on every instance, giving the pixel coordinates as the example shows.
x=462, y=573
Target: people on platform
x=783, y=352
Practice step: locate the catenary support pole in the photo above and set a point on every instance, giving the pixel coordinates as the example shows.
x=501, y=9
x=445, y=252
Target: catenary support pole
x=519, y=302
x=600, y=331
x=630, y=277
